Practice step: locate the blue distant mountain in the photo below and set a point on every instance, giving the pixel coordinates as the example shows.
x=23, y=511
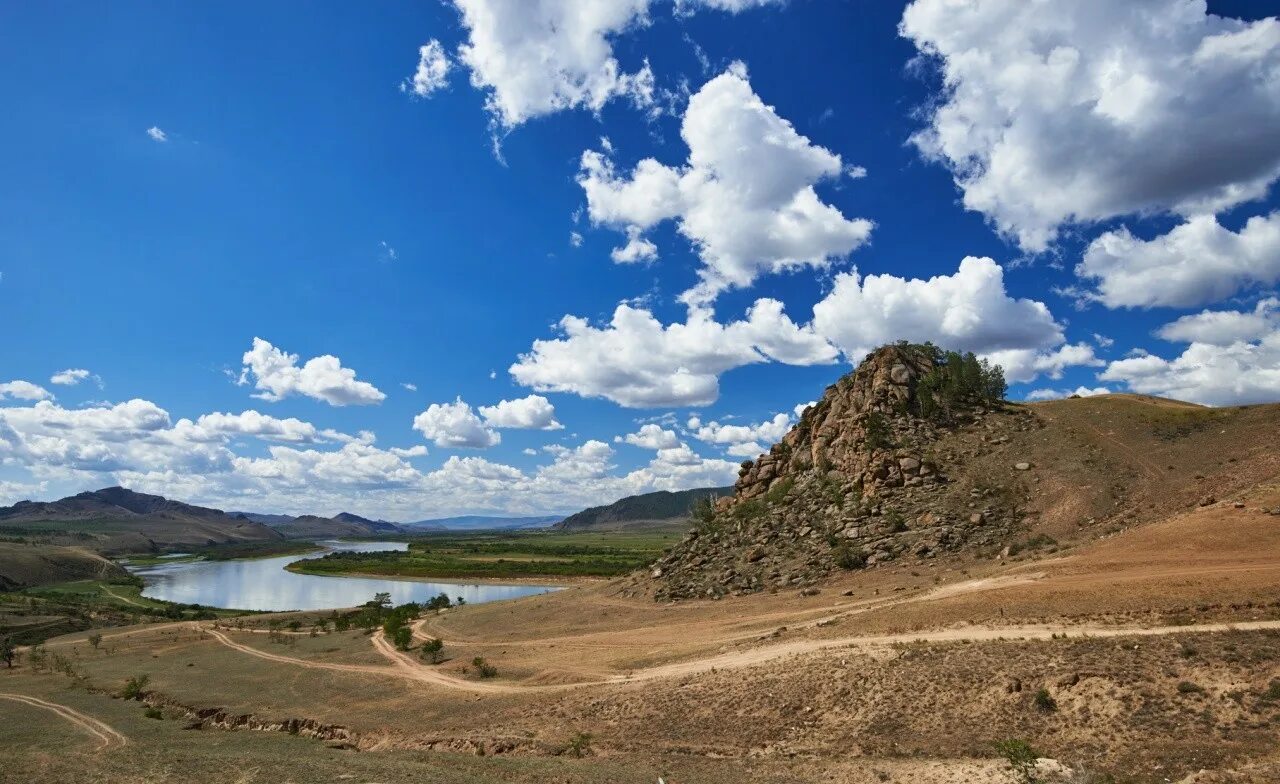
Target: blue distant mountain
x=483, y=522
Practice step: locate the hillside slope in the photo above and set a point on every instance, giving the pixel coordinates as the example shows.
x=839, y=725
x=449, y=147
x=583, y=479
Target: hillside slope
x=28, y=565
x=864, y=480
x=639, y=510
x=344, y=524
x=115, y=519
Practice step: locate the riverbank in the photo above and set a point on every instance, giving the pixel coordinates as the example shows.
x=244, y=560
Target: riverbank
x=550, y=581
x=501, y=557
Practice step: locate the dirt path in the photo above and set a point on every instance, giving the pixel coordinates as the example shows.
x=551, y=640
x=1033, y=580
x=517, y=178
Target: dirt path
x=124, y=599
x=107, y=735
x=755, y=656
x=431, y=626
x=1152, y=470
x=140, y=630
x=404, y=666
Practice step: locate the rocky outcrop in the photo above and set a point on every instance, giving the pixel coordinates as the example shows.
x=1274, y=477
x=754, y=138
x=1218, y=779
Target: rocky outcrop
x=854, y=484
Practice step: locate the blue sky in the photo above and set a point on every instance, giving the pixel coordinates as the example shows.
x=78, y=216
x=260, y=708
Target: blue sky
x=181, y=180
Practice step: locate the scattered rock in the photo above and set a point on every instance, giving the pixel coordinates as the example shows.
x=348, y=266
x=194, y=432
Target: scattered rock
x=1208, y=500
x=1022, y=466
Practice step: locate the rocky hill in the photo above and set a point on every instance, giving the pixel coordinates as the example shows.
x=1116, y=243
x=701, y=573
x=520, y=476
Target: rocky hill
x=858, y=481
x=647, y=509
x=115, y=519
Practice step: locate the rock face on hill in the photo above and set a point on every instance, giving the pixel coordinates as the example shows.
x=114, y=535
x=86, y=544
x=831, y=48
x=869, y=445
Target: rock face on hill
x=855, y=483
x=637, y=510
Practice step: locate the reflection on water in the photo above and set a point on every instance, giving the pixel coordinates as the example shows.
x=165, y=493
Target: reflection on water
x=263, y=584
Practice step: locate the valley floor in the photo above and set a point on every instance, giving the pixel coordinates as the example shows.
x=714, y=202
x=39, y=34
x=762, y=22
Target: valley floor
x=1151, y=655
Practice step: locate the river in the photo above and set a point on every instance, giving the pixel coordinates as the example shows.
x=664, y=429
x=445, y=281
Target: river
x=264, y=584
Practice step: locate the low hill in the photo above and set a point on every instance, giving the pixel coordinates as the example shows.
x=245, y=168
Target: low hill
x=27, y=565
x=896, y=463
x=115, y=519
x=482, y=523
x=647, y=510
x=343, y=524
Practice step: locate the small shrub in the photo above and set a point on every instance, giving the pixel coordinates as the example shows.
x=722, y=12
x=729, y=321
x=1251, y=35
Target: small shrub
x=95, y=640
x=1187, y=687
x=153, y=713
x=135, y=687
x=1272, y=692
x=895, y=522
x=750, y=510
x=1044, y=701
x=778, y=493
x=1020, y=756
x=483, y=668
x=703, y=510
x=579, y=744
x=847, y=557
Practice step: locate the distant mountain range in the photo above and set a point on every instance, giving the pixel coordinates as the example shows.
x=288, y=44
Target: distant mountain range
x=482, y=522
x=316, y=527
x=114, y=519
x=641, y=510
x=117, y=520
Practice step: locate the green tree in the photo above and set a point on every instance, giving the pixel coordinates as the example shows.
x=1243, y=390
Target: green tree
x=95, y=640
x=135, y=687
x=484, y=668
x=8, y=651
x=403, y=638
x=877, y=431
x=431, y=650
x=381, y=600
x=994, y=387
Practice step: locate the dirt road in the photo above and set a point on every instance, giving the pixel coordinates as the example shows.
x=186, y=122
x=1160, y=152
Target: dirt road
x=404, y=666
x=107, y=735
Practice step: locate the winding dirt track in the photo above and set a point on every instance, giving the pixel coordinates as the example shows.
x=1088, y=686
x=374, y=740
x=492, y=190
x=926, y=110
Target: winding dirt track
x=403, y=665
x=107, y=735
x=124, y=599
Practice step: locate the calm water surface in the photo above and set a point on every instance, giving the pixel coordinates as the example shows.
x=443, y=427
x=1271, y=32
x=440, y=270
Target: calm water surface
x=263, y=584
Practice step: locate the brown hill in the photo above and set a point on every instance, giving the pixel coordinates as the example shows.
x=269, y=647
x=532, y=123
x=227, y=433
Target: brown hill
x=865, y=478
x=648, y=510
x=115, y=519
x=343, y=524
x=25, y=565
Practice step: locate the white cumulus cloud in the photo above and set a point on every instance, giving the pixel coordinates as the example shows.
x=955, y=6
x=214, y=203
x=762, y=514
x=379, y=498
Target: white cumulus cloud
x=1060, y=113
x=1225, y=327
x=23, y=390
x=432, y=73
x=651, y=436
x=536, y=57
x=534, y=412
x=277, y=375
x=770, y=432
x=1196, y=263
x=745, y=198
x=455, y=425
x=638, y=362
x=1237, y=373
x=157, y=135
x=69, y=377
x=967, y=311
